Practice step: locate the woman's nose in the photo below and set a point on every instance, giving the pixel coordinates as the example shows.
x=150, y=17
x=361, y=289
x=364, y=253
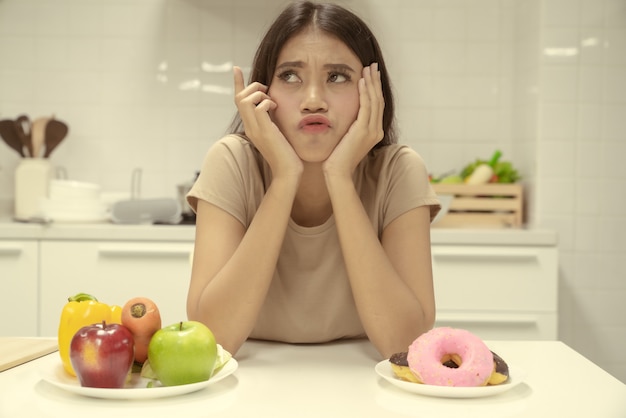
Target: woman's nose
x=313, y=100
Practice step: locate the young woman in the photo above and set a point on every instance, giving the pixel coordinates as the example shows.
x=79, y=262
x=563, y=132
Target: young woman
x=312, y=224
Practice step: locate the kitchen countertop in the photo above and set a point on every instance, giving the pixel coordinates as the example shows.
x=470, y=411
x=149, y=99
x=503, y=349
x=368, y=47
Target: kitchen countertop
x=186, y=233
x=96, y=231
x=337, y=380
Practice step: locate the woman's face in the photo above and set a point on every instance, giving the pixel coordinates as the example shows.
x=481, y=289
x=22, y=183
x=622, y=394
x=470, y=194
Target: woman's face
x=315, y=89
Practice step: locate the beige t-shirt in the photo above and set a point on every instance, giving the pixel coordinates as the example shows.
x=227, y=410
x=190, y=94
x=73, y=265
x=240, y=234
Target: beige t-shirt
x=310, y=299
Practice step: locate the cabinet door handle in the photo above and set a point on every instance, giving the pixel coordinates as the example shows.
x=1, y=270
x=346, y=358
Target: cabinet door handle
x=10, y=249
x=518, y=320
x=499, y=256
x=139, y=251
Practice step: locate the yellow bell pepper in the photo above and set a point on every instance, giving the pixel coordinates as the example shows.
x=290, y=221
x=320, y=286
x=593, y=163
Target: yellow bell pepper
x=82, y=310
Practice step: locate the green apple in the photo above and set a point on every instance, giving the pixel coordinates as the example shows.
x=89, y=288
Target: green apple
x=183, y=353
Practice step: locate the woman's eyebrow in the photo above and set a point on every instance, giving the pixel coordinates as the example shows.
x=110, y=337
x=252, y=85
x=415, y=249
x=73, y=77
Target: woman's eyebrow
x=300, y=64
x=290, y=64
x=344, y=67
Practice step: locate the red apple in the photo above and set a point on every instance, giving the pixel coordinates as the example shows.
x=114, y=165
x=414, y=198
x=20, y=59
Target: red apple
x=102, y=355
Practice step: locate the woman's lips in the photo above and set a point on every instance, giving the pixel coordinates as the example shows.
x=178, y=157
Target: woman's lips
x=314, y=124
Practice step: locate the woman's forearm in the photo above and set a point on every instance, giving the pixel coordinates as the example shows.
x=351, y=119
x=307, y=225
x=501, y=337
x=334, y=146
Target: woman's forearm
x=230, y=291
x=385, y=294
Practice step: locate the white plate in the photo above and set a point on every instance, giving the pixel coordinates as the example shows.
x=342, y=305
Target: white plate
x=53, y=373
x=516, y=376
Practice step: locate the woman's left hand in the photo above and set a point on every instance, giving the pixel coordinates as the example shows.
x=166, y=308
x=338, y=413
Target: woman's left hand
x=366, y=131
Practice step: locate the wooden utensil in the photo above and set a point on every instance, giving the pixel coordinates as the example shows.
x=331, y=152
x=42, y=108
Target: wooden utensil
x=38, y=134
x=55, y=133
x=23, y=126
x=8, y=131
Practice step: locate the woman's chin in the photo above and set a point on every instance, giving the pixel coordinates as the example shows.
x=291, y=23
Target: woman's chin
x=316, y=154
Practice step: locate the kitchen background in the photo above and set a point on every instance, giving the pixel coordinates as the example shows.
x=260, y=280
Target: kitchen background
x=147, y=84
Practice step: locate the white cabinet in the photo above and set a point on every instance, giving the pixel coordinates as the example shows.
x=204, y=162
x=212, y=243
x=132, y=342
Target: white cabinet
x=114, y=271
x=18, y=299
x=500, y=284
x=497, y=292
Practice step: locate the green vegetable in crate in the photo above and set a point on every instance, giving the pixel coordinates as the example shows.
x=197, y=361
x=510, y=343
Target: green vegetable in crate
x=492, y=171
x=447, y=178
x=483, y=172
x=451, y=179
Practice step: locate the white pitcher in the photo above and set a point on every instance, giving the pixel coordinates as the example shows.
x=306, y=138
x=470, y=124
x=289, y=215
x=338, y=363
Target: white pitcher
x=32, y=179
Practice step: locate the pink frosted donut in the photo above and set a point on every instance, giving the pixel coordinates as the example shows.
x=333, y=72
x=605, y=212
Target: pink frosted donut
x=439, y=345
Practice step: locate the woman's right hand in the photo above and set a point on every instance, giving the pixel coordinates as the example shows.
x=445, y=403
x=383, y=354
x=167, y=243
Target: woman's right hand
x=254, y=105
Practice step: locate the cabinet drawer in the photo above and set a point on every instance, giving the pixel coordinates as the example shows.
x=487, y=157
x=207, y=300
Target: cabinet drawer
x=502, y=326
x=18, y=299
x=485, y=278
x=114, y=272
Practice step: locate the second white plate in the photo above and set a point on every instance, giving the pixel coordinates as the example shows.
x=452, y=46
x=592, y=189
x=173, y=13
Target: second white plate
x=516, y=376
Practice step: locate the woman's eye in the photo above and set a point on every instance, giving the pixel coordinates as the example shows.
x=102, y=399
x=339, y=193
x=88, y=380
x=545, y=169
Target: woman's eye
x=289, y=77
x=338, y=77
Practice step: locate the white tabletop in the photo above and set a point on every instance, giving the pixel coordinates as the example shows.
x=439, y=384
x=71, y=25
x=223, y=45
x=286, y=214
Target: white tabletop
x=338, y=380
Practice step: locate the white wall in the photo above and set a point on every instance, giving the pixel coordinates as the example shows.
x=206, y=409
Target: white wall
x=569, y=128
x=581, y=181
x=147, y=83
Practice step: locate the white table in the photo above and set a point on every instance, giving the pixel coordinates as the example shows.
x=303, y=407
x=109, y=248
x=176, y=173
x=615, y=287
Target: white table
x=338, y=380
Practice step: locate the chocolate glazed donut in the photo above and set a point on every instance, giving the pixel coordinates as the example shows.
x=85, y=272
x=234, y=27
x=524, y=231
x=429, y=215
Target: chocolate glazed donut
x=400, y=366
x=500, y=371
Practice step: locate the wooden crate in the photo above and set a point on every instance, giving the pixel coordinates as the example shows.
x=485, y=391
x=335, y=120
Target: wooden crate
x=487, y=205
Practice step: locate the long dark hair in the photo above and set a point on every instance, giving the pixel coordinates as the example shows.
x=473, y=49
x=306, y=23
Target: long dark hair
x=336, y=21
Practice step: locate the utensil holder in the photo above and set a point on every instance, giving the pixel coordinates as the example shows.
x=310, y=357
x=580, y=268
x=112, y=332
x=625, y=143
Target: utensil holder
x=32, y=179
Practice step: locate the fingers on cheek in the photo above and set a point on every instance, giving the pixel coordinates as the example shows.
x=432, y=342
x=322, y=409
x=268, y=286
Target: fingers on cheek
x=265, y=106
x=363, y=90
x=258, y=98
x=240, y=97
x=252, y=95
x=262, y=107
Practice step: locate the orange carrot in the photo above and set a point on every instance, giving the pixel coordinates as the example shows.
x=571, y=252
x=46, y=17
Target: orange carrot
x=141, y=316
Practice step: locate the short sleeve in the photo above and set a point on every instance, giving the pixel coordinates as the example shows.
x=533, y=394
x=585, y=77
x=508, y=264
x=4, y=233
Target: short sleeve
x=228, y=178
x=407, y=185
